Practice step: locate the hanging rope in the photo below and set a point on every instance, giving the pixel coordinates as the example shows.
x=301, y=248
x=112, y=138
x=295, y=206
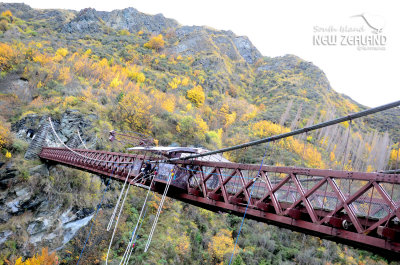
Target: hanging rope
x=119, y=199
x=116, y=207
x=116, y=223
x=248, y=203
x=80, y=138
x=136, y=237
x=128, y=250
x=345, y=147
x=94, y=219
x=159, y=210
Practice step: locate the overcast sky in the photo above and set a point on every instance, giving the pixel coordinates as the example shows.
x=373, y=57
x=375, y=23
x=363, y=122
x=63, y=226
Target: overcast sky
x=284, y=27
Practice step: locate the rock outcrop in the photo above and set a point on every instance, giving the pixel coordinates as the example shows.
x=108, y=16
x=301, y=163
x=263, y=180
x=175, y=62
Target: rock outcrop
x=193, y=40
x=28, y=201
x=25, y=210
x=36, y=130
x=89, y=20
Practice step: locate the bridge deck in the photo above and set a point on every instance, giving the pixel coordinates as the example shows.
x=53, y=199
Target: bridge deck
x=355, y=208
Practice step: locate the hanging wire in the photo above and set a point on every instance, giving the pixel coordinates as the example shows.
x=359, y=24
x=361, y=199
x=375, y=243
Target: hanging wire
x=304, y=158
x=128, y=250
x=343, y=162
x=248, y=203
x=80, y=138
x=171, y=175
x=137, y=235
x=78, y=154
x=110, y=223
x=345, y=147
x=119, y=215
x=369, y=207
x=391, y=203
x=324, y=198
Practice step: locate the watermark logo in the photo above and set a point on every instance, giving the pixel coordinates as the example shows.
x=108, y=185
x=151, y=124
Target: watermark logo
x=365, y=32
x=375, y=22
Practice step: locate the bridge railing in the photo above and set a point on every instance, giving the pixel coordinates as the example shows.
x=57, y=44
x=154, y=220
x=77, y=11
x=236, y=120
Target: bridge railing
x=357, y=208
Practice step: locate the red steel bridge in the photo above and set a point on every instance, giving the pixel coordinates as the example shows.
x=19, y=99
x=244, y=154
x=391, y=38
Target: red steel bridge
x=355, y=208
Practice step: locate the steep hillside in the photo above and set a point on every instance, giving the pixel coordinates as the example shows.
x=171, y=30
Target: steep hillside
x=94, y=71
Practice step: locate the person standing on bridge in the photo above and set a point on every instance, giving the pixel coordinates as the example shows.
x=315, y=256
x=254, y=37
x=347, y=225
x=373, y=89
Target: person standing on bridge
x=147, y=168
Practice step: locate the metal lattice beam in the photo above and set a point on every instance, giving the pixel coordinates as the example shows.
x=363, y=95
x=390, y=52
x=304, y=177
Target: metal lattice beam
x=347, y=207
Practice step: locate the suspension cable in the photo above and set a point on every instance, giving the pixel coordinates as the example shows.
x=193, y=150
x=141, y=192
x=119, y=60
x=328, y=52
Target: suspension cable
x=295, y=132
x=80, y=138
x=78, y=154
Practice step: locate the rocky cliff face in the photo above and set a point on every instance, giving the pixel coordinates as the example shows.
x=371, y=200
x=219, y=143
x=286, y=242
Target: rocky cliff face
x=35, y=208
x=89, y=20
x=193, y=40
x=29, y=217
x=36, y=130
x=54, y=17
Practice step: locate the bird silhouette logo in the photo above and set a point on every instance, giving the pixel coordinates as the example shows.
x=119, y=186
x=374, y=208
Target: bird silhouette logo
x=375, y=22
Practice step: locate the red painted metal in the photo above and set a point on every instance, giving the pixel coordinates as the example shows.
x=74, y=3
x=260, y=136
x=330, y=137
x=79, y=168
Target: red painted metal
x=336, y=205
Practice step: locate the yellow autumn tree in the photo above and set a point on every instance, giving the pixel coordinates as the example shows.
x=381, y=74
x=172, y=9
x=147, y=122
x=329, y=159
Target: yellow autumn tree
x=168, y=104
x=43, y=59
x=183, y=244
x=175, y=82
x=4, y=135
x=266, y=128
x=134, y=73
x=221, y=244
x=332, y=156
x=62, y=52
x=3, y=25
x=155, y=42
x=115, y=82
x=394, y=157
x=135, y=110
x=6, y=57
x=230, y=119
x=64, y=75
x=185, y=81
x=40, y=259
x=196, y=95
x=201, y=124
x=140, y=78
x=308, y=152
x=6, y=13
